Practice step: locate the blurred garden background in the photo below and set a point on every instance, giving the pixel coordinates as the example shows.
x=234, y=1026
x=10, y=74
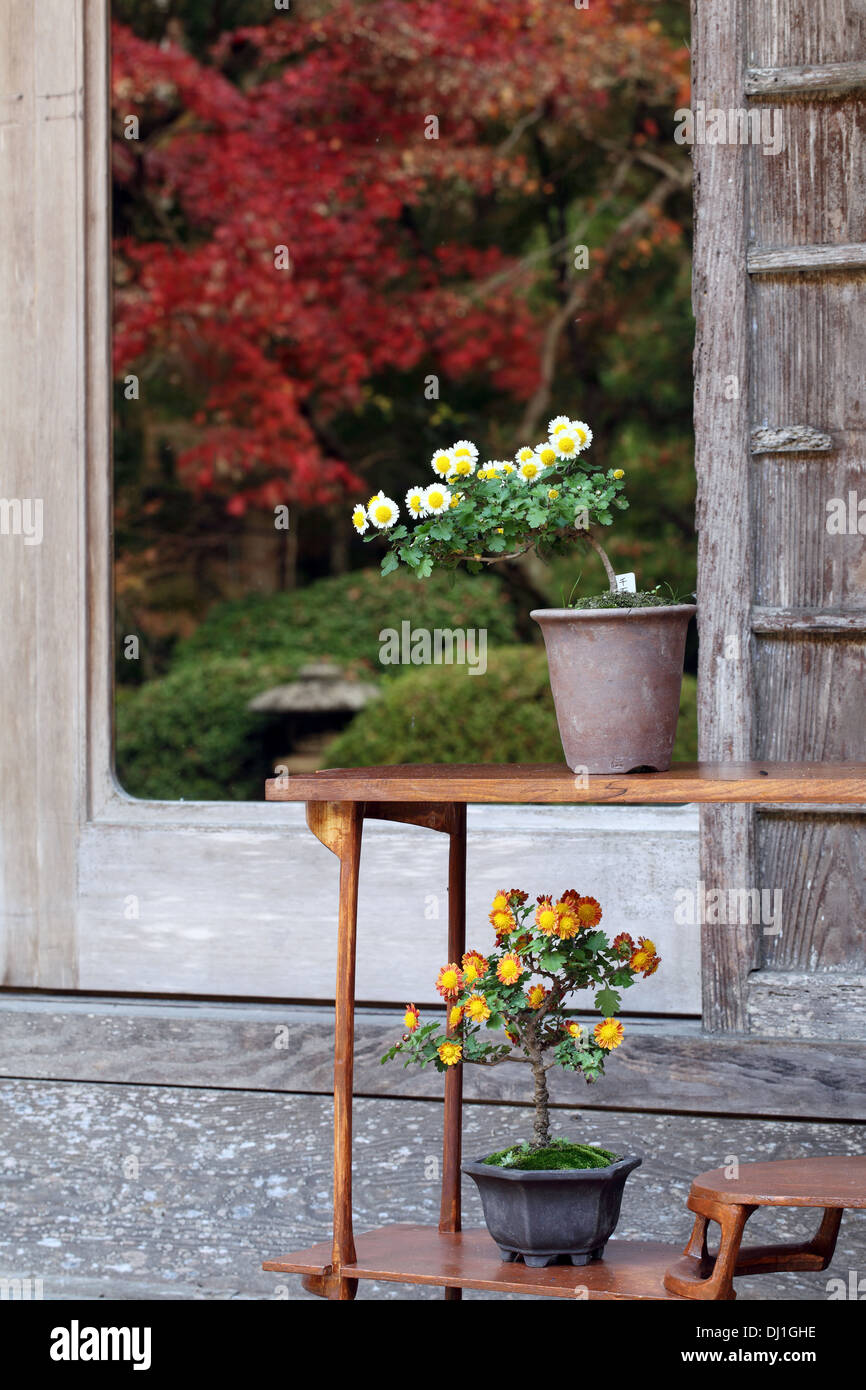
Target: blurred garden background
x=525, y=254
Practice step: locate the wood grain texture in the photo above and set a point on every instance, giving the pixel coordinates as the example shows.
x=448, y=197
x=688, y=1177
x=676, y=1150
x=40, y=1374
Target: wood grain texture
x=810, y=697
x=782, y=260
x=555, y=784
x=794, y=33
x=838, y=1181
x=813, y=79
x=723, y=422
x=665, y=1066
x=817, y=863
x=807, y=208
x=469, y=1260
x=770, y=620
x=802, y=563
x=42, y=601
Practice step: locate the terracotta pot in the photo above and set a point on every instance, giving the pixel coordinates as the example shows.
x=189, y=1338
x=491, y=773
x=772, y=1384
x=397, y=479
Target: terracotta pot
x=567, y=1214
x=616, y=675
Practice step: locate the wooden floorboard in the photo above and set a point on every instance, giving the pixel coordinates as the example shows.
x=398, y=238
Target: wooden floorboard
x=665, y=1065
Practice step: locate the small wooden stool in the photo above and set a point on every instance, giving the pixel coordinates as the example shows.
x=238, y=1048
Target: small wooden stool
x=831, y=1183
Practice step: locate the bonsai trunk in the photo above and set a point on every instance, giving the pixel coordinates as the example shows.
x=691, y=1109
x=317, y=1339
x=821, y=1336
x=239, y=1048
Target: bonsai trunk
x=541, y=1126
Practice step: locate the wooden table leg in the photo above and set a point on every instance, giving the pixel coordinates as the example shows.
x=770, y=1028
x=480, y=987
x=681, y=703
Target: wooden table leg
x=698, y=1274
x=449, y=1211
x=338, y=825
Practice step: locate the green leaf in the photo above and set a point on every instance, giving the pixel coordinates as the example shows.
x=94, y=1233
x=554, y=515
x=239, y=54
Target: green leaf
x=607, y=1002
x=390, y=562
x=553, y=960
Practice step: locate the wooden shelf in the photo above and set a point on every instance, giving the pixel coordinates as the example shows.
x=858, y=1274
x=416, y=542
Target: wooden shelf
x=470, y=1260
x=554, y=783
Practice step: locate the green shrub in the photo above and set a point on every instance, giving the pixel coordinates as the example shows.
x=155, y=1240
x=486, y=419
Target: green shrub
x=341, y=618
x=441, y=714
x=189, y=734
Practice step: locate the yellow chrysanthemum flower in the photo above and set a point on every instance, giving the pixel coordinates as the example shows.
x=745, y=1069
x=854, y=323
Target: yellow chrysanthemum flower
x=455, y=1014
x=509, y=969
x=618, y=473
x=477, y=1009
x=411, y=1018
x=575, y=1030
x=450, y=1053
x=449, y=981
x=553, y=494
x=474, y=966
x=547, y=917
x=536, y=995
x=609, y=1034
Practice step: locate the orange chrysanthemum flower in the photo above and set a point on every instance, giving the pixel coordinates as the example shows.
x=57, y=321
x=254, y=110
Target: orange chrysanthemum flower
x=609, y=1033
x=512, y=1036
x=411, y=1018
x=450, y=1053
x=477, y=1009
x=574, y=1029
x=449, y=981
x=588, y=912
x=546, y=917
x=455, y=1014
x=517, y=895
x=569, y=926
x=474, y=966
x=536, y=995
x=643, y=955
x=623, y=944
x=652, y=967
x=509, y=969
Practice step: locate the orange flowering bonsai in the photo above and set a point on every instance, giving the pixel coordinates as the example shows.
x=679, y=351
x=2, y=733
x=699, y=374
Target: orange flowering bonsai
x=544, y=952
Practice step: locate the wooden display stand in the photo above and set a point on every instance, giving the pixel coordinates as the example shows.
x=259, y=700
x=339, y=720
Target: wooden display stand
x=337, y=804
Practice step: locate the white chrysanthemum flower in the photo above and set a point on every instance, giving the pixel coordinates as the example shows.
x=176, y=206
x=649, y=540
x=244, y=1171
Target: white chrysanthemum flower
x=464, y=466
x=524, y=455
x=436, y=499
x=382, y=511
x=561, y=422
x=547, y=453
x=530, y=469
x=442, y=463
x=488, y=471
x=415, y=502
x=567, y=444
x=583, y=432
x=464, y=448
x=359, y=519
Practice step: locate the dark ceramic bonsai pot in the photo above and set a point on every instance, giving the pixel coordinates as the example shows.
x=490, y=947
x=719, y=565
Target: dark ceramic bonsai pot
x=565, y=1214
x=616, y=675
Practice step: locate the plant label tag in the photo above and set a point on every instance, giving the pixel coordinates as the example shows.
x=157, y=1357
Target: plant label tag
x=625, y=584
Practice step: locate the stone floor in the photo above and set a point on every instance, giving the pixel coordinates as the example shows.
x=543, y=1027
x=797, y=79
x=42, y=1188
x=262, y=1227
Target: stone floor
x=121, y=1192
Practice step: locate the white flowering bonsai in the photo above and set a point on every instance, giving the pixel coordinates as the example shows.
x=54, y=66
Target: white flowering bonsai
x=477, y=513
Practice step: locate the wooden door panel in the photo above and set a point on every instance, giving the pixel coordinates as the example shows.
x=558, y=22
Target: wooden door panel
x=784, y=33
x=810, y=698
x=808, y=350
x=816, y=860
x=814, y=189
x=799, y=564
